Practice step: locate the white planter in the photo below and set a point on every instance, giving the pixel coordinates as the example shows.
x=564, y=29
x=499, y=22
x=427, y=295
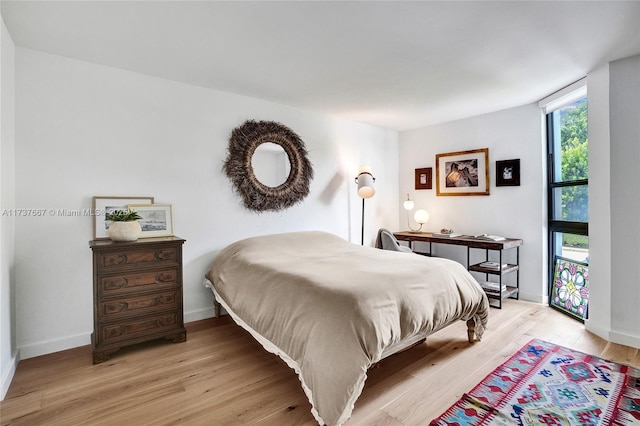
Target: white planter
x=125, y=231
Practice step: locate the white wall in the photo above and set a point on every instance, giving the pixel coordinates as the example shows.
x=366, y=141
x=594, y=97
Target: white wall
x=518, y=212
x=600, y=238
x=614, y=204
x=8, y=352
x=625, y=201
x=85, y=130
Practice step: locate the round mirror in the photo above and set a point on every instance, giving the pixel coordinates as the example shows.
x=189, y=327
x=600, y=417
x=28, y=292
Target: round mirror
x=281, y=184
x=270, y=164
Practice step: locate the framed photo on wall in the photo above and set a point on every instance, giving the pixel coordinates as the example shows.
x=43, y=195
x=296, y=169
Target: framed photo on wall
x=508, y=173
x=423, y=178
x=104, y=205
x=157, y=219
x=463, y=172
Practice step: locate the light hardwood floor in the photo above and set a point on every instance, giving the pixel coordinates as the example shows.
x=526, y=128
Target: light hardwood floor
x=221, y=376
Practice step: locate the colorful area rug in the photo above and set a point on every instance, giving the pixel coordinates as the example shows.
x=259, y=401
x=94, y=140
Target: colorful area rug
x=547, y=384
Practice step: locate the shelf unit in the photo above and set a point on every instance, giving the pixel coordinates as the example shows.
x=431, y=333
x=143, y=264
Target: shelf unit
x=511, y=291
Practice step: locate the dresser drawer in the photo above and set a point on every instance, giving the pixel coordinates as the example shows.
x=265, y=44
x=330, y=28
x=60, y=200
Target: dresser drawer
x=131, y=259
x=138, y=328
x=114, y=285
x=138, y=305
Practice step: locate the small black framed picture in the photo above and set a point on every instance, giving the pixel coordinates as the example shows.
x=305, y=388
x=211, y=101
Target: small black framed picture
x=508, y=173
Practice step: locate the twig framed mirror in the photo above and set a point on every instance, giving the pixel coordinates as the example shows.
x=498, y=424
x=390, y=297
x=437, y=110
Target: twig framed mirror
x=293, y=168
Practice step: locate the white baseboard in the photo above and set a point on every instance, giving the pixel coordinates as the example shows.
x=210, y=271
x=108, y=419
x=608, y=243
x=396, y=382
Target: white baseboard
x=51, y=346
x=591, y=327
x=534, y=297
x=625, y=339
x=198, y=315
x=613, y=336
x=7, y=374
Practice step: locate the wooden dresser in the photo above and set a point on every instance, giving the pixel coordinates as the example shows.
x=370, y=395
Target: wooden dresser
x=137, y=293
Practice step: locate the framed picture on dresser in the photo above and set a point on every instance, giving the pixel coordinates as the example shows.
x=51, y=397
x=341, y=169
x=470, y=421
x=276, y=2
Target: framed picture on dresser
x=157, y=219
x=105, y=204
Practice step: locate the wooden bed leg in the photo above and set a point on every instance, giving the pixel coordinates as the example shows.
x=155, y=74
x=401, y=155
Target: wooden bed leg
x=471, y=330
x=216, y=309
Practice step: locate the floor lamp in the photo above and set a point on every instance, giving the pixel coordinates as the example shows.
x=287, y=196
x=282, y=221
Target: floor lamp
x=366, y=190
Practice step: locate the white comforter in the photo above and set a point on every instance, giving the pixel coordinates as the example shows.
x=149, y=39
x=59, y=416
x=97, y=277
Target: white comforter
x=330, y=308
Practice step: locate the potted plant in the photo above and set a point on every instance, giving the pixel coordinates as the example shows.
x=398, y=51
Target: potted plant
x=124, y=225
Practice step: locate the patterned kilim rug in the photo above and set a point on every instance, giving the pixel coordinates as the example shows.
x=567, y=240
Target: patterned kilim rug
x=547, y=384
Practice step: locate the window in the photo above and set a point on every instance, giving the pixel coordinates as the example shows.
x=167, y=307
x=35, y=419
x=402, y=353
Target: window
x=568, y=180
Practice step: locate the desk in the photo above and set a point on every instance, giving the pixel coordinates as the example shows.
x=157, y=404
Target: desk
x=473, y=243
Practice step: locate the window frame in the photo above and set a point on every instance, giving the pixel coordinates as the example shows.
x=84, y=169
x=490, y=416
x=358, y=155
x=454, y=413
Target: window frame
x=559, y=226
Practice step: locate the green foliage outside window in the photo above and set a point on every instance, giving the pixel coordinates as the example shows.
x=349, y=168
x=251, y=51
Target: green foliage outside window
x=574, y=142
x=575, y=166
x=573, y=240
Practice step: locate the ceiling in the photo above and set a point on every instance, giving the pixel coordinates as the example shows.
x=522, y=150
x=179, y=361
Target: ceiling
x=393, y=64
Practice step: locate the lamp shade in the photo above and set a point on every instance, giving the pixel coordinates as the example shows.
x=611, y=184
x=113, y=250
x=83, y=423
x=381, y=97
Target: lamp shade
x=365, y=169
x=365, y=186
x=409, y=204
x=365, y=182
x=421, y=216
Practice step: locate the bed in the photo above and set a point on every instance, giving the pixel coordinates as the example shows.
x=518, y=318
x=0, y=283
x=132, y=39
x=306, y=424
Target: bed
x=331, y=309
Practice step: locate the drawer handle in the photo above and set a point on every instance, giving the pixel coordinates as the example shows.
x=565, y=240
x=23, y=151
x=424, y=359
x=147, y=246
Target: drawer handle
x=115, y=260
x=164, y=278
x=162, y=299
x=115, y=283
x=166, y=255
x=114, y=308
x=115, y=331
x=166, y=321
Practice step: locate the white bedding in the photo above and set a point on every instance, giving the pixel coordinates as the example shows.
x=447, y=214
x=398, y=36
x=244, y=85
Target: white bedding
x=331, y=309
